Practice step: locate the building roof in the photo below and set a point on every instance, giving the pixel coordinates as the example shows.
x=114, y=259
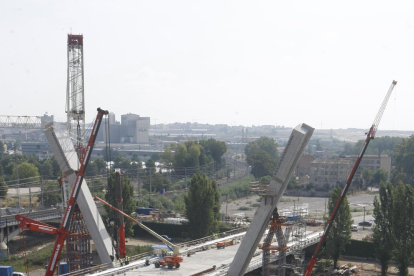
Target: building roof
x=330, y=161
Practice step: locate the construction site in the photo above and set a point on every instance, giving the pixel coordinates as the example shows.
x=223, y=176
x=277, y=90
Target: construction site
x=274, y=240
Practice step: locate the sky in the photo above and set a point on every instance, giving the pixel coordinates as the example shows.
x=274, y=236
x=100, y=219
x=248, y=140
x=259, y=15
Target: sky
x=325, y=63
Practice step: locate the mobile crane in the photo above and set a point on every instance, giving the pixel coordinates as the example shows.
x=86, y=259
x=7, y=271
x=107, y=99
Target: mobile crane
x=168, y=261
x=62, y=231
x=370, y=136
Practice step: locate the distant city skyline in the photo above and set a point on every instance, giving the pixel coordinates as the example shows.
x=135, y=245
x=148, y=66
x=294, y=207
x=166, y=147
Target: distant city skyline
x=322, y=63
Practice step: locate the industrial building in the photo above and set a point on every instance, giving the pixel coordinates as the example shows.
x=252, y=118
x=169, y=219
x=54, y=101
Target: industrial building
x=132, y=129
x=333, y=172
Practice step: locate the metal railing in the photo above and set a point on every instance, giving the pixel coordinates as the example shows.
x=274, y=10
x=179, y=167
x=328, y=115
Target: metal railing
x=40, y=215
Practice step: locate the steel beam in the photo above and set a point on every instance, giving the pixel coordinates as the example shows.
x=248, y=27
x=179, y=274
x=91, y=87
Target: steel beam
x=293, y=151
x=67, y=159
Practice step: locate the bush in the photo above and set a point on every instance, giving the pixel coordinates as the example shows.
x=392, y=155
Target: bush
x=237, y=189
x=362, y=249
x=243, y=208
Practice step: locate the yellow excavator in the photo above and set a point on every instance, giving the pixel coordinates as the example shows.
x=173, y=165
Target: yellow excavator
x=168, y=261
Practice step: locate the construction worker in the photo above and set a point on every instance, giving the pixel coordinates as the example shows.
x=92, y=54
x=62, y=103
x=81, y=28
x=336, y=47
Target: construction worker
x=126, y=260
x=121, y=262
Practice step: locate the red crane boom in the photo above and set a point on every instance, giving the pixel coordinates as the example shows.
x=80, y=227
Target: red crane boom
x=370, y=135
x=62, y=231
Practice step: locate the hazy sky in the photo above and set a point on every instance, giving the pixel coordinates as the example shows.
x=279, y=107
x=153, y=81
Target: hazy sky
x=325, y=63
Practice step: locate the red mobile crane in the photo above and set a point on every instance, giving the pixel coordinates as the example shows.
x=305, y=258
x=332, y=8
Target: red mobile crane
x=62, y=233
x=370, y=136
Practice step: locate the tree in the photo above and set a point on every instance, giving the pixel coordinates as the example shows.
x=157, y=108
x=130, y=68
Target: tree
x=109, y=155
x=262, y=164
x=150, y=166
x=100, y=163
x=202, y=203
x=367, y=176
x=340, y=232
x=3, y=188
x=265, y=144
x=55, y=165
x=1, y=148
x=167, y=157
x=156, y=182
x=383, y=234
x=379, y=176
x=46, y=168
x=318, y=145
x=403, y=227
x=51, y=193
x=214, y=148
x=404, y=159
x=128, y=201
x=91, y=169
x=155, y=157
x=135, y=157
x=26, y=170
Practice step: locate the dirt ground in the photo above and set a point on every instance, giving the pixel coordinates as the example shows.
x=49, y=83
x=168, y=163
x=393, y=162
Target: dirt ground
x=371, y=267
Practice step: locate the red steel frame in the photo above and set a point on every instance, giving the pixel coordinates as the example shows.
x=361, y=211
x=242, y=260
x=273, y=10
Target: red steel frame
x=370, y=135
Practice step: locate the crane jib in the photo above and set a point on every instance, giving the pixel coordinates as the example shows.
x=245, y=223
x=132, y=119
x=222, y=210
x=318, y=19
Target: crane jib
x=370, y=135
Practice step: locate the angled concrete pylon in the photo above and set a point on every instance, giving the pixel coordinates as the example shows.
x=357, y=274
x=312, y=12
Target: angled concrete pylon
x=297, y=142
x=67, y=158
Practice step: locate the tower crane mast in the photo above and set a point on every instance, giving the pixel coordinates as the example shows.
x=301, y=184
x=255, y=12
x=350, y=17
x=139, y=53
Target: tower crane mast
x=370, y=135
x=75, y=96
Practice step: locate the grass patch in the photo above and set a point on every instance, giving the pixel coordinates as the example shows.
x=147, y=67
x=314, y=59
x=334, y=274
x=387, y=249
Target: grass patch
x=135, y=250
x=249, y=202
x=243, y=208
x=283, y=199
x=357, y=210
x=34, y=260
x=255, y=205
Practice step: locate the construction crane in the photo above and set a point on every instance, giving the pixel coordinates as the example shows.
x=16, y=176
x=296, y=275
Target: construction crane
x=62, y=232
x=370, y=135
x=75, y=96
x=168, y=261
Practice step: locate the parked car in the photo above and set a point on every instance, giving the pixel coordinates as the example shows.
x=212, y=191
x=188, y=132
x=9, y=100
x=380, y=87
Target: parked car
x=365, y=223
x=354, y=228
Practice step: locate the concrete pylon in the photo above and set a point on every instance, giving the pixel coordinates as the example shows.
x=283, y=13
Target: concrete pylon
x=297, y=142
x=68, y=161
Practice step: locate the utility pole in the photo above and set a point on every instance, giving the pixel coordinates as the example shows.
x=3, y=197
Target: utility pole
x=41, y=190
x=234, y=176
x=185, y=175
x=30, y=200
x=120, y=237
x=363, y=226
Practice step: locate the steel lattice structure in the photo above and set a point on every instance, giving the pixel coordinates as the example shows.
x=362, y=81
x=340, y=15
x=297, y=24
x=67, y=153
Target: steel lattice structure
x=30, y=122
x=75, y=98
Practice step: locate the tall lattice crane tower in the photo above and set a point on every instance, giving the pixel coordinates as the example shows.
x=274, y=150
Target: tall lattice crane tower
x=75, y=96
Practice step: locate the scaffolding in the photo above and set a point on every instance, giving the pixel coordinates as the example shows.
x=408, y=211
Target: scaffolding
x=78, y=243
x=274, y=256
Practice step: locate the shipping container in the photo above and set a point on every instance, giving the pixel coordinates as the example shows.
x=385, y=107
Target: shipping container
x=6, y=270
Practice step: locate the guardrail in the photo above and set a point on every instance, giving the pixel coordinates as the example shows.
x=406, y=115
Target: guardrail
x=257, y=262
x=42, y=215
x=184, y=245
